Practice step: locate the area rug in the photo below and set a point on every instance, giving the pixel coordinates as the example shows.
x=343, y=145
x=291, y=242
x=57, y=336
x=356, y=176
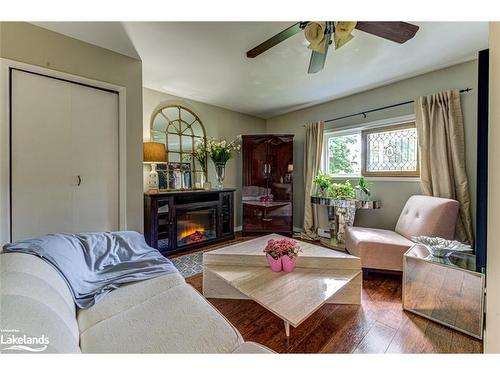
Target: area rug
x=192, y=264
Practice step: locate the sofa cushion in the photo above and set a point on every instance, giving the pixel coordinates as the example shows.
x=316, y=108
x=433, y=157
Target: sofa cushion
x=35, y=301
x=32, y=265
x=34, y=318
x=428, y=216
x=377, y=248
x=125, y=297
x=178, y=320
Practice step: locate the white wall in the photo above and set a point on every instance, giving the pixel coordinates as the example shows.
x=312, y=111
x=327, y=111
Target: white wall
x=218, y=123
x=392, y=193
x=492, y=333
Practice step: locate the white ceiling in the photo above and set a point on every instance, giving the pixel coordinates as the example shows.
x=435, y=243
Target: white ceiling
x=206, y=61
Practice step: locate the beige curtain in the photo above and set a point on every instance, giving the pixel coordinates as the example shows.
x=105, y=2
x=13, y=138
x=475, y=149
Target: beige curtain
x=312, y=162
x=440, y=128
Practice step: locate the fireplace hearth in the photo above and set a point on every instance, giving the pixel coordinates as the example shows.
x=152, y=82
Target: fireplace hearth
x=178, y=221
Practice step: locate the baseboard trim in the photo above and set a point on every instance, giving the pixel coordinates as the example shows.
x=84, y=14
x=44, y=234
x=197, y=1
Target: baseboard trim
x=240, y=228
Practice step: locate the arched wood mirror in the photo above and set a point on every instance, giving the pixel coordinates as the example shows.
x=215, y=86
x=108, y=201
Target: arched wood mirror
x=180, y=130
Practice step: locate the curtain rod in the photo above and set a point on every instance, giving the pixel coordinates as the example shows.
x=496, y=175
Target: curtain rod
x=382, y=108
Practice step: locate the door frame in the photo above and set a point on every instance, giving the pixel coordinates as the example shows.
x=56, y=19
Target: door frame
x=6, y=67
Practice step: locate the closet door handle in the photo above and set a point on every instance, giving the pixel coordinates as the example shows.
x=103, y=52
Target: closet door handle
x=79, y=181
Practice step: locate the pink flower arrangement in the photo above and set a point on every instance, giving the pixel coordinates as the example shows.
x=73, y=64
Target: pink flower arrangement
x=279, y=248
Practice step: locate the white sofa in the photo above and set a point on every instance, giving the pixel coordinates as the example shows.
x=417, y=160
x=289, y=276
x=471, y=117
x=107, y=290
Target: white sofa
x=160, y=315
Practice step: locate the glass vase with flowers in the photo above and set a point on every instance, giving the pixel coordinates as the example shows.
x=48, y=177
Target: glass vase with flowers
x=220, y=152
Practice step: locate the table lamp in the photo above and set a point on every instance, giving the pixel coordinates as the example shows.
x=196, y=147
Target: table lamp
x=153, y=153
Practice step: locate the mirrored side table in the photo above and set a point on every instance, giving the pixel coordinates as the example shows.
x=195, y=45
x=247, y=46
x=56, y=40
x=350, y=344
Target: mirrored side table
x=446, y=290
x=341, y=213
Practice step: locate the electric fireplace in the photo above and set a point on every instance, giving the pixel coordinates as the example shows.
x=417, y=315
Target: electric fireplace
x=180, y=221
x=195, y=226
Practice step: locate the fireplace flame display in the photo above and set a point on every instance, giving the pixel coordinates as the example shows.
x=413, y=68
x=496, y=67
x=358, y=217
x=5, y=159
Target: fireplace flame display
x=192, y=234
x=196, y=226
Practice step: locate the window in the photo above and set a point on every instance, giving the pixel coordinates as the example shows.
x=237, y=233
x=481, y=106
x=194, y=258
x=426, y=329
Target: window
x=389, y=151
x=344, y=155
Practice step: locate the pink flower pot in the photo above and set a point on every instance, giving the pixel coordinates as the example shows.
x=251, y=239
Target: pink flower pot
x=288, y=263
x=275, y=264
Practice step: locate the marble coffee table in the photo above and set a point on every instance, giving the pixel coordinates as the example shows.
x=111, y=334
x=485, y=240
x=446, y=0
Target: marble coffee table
x=322, y=275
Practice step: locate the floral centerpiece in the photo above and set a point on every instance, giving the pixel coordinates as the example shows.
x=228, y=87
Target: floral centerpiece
x=200, y=153
x=282, y=254
x=220, y=152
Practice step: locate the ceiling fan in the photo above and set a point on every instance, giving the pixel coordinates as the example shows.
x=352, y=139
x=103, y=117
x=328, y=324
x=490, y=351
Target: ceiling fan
x=322, y=34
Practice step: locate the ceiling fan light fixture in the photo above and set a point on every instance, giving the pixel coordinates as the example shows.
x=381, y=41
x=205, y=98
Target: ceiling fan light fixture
x=315, y=35
x=343, y=32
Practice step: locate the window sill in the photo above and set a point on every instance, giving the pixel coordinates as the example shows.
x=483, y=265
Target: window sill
x=393, y=179
x=379, y=178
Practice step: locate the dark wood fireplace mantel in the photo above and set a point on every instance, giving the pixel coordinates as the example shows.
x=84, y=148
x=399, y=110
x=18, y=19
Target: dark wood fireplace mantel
x=178, y=221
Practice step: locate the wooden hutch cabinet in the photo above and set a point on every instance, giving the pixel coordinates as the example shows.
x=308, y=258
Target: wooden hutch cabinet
x=177, y=221
x=267, y=183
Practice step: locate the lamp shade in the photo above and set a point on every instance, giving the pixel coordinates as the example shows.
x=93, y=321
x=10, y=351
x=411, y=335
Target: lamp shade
x=154, y=152
x=290, y=168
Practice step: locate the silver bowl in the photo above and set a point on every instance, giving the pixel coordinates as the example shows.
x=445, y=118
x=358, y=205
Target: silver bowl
x=441, y=248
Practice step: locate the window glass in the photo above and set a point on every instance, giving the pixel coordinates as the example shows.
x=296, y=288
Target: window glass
x=344, y=155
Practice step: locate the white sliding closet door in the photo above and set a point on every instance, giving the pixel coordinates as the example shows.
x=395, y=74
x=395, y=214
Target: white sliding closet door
x=94, y=134
x=64, y=155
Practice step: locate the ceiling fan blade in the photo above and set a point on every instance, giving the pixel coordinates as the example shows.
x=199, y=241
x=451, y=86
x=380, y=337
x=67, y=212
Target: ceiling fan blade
x=317, y=62
x=318, y=59
x=278, y=38
x=398, y=32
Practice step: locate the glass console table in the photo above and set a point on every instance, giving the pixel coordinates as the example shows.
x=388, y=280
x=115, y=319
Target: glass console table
x=446, y=290
x=341, y=213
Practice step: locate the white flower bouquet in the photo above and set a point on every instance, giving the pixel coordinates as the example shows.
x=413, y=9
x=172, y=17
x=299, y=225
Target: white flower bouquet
x=221, y=151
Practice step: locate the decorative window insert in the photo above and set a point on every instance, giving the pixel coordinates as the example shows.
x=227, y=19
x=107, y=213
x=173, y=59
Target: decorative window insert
x=180, y=130
x=390, y=151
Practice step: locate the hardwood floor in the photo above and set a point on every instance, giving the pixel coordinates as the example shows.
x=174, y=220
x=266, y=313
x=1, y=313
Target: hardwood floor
x=378, y=325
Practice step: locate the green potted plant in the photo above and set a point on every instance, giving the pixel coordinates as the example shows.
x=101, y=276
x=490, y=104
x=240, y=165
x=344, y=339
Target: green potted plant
x=363, y=192
x=323, y=182
x=341, y=191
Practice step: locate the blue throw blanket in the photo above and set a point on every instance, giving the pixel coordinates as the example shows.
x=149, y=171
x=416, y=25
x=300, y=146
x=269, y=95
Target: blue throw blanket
x=93, y=264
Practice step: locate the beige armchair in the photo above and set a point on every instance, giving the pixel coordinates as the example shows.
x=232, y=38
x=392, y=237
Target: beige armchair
x=381, y=249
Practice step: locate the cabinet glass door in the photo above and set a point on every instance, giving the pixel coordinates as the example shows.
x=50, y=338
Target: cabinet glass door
x=267, y=183
x=163, y=225
x=280, y=161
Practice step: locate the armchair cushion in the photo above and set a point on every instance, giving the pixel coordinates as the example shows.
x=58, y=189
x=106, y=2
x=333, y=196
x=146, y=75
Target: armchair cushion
x=428, y=216
x=377, y=248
